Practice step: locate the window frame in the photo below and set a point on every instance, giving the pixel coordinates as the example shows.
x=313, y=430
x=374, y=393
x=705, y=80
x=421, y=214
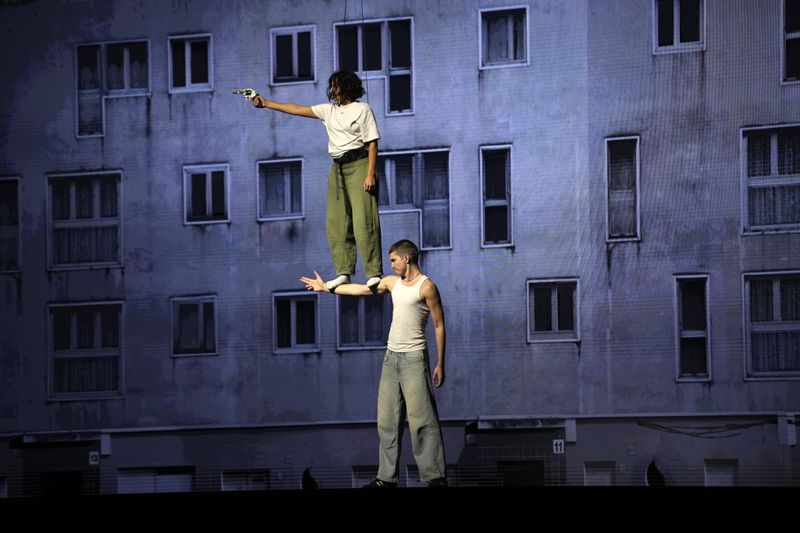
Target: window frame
x=607, y=177
x=386, y=210
x=52, y=395
x=386, y=70
x=678, y=309
x=18, y=225
x=784, y=38
x=708, y=466
x=105, y=92
x=199, y=300
x=677, y=47
x=362, y=346
x=775, y=179
x=208, y=169
x=527, y=26
x=190, y=87
x=293, y=216
x=749, y=374
x=555, y=336
x=294, y=348
x=51, y=226
x=293, y=31
x=510, y=198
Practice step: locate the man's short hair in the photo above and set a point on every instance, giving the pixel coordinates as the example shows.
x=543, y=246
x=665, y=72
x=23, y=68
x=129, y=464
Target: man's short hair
x=404, y=247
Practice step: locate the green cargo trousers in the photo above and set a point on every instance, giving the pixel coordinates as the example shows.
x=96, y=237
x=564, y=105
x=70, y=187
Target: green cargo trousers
x=352, y=219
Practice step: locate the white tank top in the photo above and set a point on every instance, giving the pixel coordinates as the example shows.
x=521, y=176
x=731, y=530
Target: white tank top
x=409, y=318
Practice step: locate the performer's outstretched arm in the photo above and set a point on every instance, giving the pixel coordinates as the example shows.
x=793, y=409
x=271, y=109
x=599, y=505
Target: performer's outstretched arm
x=348, y=289
x=291, y=109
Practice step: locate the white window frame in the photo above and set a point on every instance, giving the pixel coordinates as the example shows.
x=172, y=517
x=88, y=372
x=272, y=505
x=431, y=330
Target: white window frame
x=771, y=180
x=199, y=300
x=638, y=236
x=105, y=92
x=680, y=333
x=599, y=466
x=749, y=374
x=293, y=31
x=386, y=70
x=51, y=225
x=19, y=228
x=678, y=47
x=708, y=465
x=509, y=64
x=207, y=169
x=509, y=202
x=190, y=87
x=361, y=346
x=556, y=336
x=388, y=210
x=259, y=192
x=77, y=352
x=293, y=296
x=785, y=37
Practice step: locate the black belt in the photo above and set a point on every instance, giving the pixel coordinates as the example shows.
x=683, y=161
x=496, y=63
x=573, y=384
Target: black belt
x=351, y=155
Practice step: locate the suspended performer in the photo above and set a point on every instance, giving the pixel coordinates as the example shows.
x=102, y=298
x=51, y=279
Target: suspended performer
x=352, y=215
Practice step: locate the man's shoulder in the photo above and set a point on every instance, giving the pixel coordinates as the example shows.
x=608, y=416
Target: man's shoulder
x=428, y=285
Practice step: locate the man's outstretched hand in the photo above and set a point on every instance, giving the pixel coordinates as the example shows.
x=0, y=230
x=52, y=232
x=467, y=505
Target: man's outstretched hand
x=314, y=284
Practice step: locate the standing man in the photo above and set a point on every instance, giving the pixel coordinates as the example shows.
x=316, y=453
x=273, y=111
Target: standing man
x=352, y=214
x=406, y=385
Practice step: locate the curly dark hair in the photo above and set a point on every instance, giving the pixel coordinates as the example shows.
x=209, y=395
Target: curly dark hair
x=349, y=85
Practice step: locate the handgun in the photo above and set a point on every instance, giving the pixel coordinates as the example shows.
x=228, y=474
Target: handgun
x=248, y=93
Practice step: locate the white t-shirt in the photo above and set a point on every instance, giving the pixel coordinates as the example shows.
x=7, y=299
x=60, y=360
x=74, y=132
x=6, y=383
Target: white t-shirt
x=349, y=126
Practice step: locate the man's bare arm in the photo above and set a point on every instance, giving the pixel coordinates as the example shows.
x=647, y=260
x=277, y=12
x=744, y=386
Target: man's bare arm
x=349, y=289
x=430, y=293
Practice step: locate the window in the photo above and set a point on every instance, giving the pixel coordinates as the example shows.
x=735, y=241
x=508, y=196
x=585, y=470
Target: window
x=194, y=330
x=772, y=177
x=84, y=216
x=151, y=480
x=292, y=54
x=418, y=181
x=108, y=70
x=791, y=37
x=720, y=472
x=257, y=479
x=381, y=48
x=191, y=64
x=363, y=475
x=679, y=25
x=205, y=194
x=295, y=327
x=622, y=178
x=280, y=189
x=86, y=348
x=772, y=309
x=599, y=473
x=551, y=310
x=692, y=327
x=496, y=181
x=504, y=37
x=363, y=322
x=9, y=224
